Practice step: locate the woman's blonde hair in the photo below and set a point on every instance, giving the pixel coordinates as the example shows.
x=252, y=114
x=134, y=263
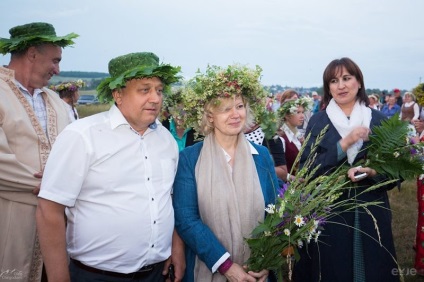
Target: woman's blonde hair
x=212, y=106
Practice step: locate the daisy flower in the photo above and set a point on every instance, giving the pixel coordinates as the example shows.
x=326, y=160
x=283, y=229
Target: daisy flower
x=298, y=220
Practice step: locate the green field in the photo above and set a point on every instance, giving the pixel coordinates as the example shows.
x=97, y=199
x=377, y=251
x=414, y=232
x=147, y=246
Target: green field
x=88, y=92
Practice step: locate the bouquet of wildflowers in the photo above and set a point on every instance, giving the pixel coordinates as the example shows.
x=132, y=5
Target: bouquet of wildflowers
x=306, y=204
x=298, y=217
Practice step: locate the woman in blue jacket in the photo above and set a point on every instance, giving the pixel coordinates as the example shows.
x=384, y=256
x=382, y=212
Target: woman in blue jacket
x=224, y=183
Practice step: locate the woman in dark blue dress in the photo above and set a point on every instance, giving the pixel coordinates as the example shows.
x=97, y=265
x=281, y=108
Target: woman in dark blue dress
x=344, y=253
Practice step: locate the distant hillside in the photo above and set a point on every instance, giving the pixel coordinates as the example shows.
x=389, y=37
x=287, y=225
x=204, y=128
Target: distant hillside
x=92, y=79
x=83, y=74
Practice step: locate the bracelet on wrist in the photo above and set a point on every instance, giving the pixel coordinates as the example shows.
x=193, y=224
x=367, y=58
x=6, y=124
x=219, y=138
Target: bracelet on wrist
x=223, y=268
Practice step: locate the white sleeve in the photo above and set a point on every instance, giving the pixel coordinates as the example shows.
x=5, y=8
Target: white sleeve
x=416, y=111
x=284, y=143
x=66, y=168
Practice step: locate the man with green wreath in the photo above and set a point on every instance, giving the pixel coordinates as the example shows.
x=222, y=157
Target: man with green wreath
x=31, y=117
x=118, y=197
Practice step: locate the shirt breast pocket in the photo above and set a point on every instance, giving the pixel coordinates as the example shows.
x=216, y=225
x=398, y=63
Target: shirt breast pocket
x=167, y=168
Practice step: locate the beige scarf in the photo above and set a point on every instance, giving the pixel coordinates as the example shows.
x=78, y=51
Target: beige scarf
x=230, y=204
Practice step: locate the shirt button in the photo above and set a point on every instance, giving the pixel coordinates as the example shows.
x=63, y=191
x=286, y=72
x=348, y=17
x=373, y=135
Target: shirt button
x=154, y=222
x=148, y=178
x=145, y=157
x=153, y=199
x=153, y=245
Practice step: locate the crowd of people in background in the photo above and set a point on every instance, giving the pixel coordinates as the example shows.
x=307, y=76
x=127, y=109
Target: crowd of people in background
x=138, y=193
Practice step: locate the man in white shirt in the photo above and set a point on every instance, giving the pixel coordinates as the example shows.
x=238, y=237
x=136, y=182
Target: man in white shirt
x=113, y=172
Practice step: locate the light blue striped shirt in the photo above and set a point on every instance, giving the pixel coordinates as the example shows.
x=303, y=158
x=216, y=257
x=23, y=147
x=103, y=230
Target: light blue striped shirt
x=37, y=103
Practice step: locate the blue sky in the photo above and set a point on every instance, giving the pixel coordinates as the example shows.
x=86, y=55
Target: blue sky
x=292, y=40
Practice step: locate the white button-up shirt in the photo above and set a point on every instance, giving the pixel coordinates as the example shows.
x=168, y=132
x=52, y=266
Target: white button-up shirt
x=117, y=187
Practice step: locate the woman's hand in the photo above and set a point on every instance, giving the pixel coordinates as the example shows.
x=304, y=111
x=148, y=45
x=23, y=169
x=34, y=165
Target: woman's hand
x=359, y=173
x=260, y=276
x=419, y=125
x=358, y=133
x=236, y=273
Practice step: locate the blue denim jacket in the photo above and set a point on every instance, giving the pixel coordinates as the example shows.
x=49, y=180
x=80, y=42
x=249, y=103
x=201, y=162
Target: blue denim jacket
x=188, y=223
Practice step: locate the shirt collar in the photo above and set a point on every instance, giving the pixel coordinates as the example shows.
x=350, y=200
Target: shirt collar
x=253, y=151
x=37, y=91
x=290, y=134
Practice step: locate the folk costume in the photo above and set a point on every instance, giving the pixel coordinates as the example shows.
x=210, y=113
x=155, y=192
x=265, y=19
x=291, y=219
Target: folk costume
x=25, y=143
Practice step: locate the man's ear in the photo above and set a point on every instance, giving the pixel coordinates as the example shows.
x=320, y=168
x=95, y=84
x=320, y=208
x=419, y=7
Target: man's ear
x=31, y=53
x=117, y=96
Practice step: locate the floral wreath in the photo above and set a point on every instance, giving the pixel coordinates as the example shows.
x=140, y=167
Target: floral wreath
x=290, y=107
x=172, y=98
x=218, y=82
x=418, y=91
x=68, y=86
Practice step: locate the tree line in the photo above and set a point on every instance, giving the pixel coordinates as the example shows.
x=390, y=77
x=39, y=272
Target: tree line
x=93, y=79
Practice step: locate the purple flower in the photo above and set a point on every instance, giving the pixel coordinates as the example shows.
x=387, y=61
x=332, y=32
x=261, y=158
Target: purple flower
x=281, y=191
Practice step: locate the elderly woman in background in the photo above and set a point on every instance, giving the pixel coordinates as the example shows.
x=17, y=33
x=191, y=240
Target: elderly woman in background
x=224, y=183
x=354, y=246
x=410, y=111
x=374, y=102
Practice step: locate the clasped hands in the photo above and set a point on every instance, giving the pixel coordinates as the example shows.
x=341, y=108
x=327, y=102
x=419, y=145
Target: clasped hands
x=237, y=273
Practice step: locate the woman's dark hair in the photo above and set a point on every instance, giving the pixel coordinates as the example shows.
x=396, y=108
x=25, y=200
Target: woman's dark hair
x=66, y=94
x=334, y=68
